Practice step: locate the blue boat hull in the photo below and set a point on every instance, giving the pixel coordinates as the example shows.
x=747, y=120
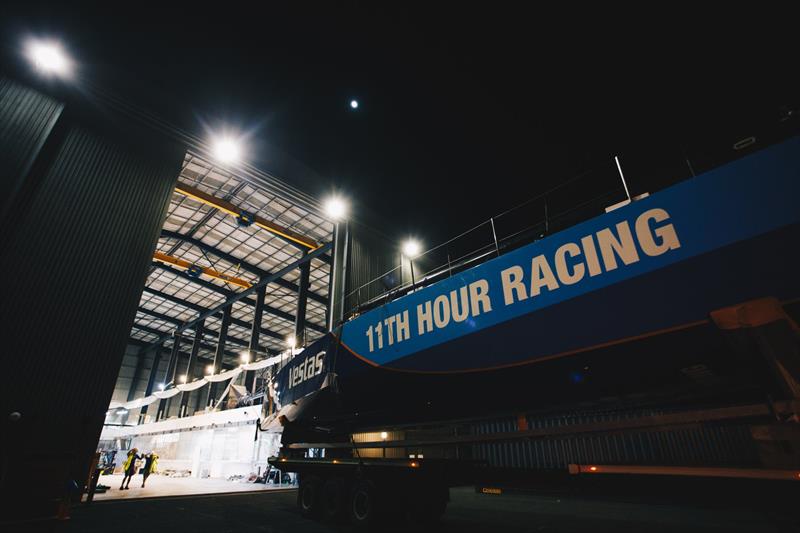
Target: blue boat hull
x=629, y=325
x=661, y=263
x=675, y=297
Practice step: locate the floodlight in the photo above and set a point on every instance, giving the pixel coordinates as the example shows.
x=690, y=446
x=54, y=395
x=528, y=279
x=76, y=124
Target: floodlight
x=49, y=58
x=336, y=208
x=411, y=248
x=227, y=149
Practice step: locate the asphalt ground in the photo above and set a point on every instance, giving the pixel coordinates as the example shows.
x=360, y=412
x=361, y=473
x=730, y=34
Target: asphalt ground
x=467, y=512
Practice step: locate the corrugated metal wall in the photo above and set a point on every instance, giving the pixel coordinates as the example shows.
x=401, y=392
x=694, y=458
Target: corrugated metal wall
x=706, y=445
x=74, y=257
x=370, y=255
x=26, y=119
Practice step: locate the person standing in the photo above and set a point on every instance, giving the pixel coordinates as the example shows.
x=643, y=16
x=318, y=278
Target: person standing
x=150, y=465
x=129, y=468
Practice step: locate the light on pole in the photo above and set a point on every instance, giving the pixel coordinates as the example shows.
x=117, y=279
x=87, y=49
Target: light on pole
x=411, y=250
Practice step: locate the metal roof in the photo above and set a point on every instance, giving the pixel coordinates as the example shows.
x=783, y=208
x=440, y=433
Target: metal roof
x=203, y=235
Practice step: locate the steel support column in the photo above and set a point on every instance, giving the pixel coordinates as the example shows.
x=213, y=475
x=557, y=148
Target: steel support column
x=137, y=372
x=302, y=301
x=198, y=340
x=220, y=353
x=250, y=375
x=169, y=377
x=338, y=286
x=151, y=381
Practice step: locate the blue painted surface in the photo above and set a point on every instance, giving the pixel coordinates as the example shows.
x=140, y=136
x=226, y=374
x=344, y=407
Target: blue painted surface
x=684, y=292
x=305, y=373
x=737, y=228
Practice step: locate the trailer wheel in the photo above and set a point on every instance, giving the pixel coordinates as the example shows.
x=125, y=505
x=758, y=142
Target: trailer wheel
x=308, y=497
x=334, y=499
x=363, y=504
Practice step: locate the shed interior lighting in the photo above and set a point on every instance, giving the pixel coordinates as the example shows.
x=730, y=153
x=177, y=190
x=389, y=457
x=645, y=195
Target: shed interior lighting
x=48, y=57
x=227, y=149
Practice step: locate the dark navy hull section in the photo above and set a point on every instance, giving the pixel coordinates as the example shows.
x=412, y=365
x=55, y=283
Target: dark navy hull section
x=649, y=370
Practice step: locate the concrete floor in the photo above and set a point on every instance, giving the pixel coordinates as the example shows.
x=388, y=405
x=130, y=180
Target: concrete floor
x=159, y=486
x=468, y=512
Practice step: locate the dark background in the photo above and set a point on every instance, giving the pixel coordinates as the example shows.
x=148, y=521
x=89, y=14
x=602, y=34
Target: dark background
x=465, y=111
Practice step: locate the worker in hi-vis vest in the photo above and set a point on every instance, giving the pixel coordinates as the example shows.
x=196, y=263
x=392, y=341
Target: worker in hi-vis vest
x=150, y=465
x=129, y=468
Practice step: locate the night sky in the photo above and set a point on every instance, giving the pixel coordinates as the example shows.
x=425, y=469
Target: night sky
x=464, y=111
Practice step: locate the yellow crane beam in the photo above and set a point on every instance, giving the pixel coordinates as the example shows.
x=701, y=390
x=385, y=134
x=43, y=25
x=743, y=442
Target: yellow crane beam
x=229, y=208
x=210, y=272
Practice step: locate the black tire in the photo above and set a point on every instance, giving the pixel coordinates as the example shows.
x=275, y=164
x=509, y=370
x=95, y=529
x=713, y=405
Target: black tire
x=363, y=505
x=335, y=500
x=309, y=499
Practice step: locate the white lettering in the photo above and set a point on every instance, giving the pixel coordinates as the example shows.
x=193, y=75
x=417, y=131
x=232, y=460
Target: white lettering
x=479, y=297
x=389, y=323
x=441, y=311
x=512, y=283
x=669, y=239
x=424, y=318
x=403, y=332
x=610, y=247
x=590, y=252
x=569, y=265
x=541, y=276
x=562, y=269
x=459, y=304
x=310, y=367
x=379, y=333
